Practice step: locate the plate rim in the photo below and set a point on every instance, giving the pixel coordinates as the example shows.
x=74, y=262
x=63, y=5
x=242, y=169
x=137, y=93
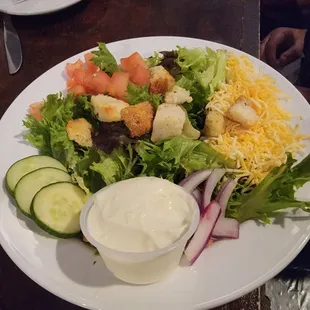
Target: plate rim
x=42, y=12
x=57, y=291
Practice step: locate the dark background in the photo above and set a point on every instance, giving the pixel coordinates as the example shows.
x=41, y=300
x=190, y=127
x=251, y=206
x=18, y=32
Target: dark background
x=49, y=39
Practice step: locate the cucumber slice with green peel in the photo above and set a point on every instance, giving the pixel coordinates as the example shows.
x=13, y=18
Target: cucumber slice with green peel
x=56, y=209
x=31, y=183
x=26, y=165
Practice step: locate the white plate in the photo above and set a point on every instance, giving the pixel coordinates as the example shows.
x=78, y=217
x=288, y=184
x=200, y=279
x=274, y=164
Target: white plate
x=226, y=271
x=35, y=7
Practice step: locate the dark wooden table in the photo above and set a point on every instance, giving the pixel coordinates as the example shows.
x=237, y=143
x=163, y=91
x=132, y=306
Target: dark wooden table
x=48, y=40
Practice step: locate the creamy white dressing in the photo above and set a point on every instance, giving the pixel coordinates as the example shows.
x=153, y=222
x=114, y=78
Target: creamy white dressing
x=140, y=215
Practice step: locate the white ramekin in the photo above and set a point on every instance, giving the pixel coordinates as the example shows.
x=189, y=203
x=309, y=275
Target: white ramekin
x=144, y=267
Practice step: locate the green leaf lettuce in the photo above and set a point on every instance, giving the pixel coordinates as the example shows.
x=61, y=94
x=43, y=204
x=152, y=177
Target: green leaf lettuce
x=104, y=59
x=276, y=192
x=137, y=94
x=201, y=71
x=177, y=157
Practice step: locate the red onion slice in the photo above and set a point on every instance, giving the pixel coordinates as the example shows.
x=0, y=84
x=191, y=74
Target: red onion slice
x=197, y=195
x=224, y=194
x=226, y=228
x=210, y=185
x=203, y=233
x=191, y=182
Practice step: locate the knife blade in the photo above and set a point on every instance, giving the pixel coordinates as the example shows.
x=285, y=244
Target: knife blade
x=12, y=45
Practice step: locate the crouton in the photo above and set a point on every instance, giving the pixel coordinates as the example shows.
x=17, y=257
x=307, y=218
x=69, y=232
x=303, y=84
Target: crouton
x=79, y=130
x=178, y=95
x=169, y=121
x=107, y=109
x=241, y=112
x=214, y=124
x=138, y=118
x=160, y=81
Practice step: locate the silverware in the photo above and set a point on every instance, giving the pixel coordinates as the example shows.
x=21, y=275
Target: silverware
x=12, y=45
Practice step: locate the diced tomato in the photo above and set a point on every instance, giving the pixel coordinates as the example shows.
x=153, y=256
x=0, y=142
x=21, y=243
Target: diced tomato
x=86, y=80
x=77, y=90
x=93, y=83
x=79, y=76
x=118, y=85
x=34, y=110
x=90, y=66
x=83, y=77
x=71, y=83
x=100, y=82
x=140, y=75
x=132, y=61
x=71, y=68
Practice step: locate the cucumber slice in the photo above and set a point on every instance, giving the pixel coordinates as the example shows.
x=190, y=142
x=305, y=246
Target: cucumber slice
x=26, y=165
x=31, y=183
x=56, y=209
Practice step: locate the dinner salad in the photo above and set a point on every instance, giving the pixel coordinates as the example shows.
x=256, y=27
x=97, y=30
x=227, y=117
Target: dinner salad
x=205, y=119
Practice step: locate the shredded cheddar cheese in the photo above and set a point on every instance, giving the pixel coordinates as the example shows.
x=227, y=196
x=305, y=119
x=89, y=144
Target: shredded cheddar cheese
x=262, y=147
